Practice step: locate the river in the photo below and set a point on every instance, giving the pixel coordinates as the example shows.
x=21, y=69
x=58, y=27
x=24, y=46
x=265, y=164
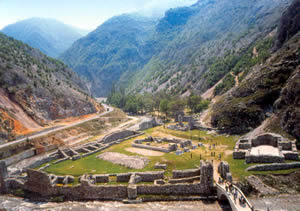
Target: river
x=19, y=204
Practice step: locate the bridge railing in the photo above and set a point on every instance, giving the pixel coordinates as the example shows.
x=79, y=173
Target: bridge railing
x=242, y=194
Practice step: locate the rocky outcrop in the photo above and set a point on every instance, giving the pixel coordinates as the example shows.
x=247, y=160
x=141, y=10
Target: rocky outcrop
x=289, y=23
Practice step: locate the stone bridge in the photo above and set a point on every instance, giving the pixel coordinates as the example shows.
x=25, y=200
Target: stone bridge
x=235, y=205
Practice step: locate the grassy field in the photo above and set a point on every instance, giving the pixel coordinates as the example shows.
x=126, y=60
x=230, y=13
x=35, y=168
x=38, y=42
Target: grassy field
x=224, y=146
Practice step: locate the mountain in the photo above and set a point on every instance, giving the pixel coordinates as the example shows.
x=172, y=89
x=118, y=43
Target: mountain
x=35, y=89
x=268, y=97
x=181, y=52
x=48, y=35
x=113, y=52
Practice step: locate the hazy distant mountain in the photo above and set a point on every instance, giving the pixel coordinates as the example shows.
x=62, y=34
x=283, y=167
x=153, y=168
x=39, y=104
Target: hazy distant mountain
x=113, y=52
x=48, y=35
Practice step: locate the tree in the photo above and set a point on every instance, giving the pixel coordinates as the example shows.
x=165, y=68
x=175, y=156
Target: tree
x=163, y=106
x=196, y=103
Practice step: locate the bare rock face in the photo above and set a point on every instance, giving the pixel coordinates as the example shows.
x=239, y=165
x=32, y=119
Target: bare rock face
x=289, y=23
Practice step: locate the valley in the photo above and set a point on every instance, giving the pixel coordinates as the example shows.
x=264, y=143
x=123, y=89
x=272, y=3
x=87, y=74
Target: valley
x=196, y=107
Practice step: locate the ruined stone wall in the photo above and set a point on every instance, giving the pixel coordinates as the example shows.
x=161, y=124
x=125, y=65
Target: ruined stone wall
x=146, y=176
x=87, y=191
x=274, y=166
x=118, y=135
x=185, y=173
x=150, y=123
x=223, y=169
x=184, y=180
x=266, y=139
x=207, y=174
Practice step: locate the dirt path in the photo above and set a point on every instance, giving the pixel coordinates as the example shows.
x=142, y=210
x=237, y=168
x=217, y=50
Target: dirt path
x=236, y=78
x=58, y=129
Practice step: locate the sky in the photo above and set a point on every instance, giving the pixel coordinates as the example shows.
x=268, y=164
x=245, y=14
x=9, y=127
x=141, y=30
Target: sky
x=84, y=14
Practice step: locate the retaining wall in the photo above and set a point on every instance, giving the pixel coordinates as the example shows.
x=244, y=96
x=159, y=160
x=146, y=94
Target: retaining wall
x=178, y=189
x=274, y=166
x=21, y=156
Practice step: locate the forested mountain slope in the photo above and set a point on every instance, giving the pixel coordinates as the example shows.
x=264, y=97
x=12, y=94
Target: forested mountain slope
x=113, y=52
x=35, y=88
x=189, y=49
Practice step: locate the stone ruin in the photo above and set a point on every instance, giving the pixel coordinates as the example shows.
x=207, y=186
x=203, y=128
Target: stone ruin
x=148, y=123
x=224, y=171
x=173, y=146
x=85, y=150
x=266, y=148
x=184, y=183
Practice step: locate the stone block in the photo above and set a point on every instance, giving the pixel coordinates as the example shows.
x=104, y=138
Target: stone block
x=178, y=152
x=132, y=192
x=101, y=178
x=159, y=182
x=76, y=157
x=160, y=166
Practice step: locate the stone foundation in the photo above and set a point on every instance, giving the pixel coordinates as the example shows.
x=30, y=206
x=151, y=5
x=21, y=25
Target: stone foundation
x=286, y=149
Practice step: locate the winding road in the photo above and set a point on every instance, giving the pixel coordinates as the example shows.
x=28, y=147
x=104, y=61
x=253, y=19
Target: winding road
x=107, y=108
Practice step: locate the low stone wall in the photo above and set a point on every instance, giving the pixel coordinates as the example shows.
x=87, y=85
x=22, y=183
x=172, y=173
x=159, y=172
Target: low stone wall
x=274, y=166
x=125, y=177
x=151, y=175
x=184, y=180
x=101, y=178
x=291, y=155
x=239, y=154
x=21, y=156
x=145, y=176
x=185, y=173
x=142, y=146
